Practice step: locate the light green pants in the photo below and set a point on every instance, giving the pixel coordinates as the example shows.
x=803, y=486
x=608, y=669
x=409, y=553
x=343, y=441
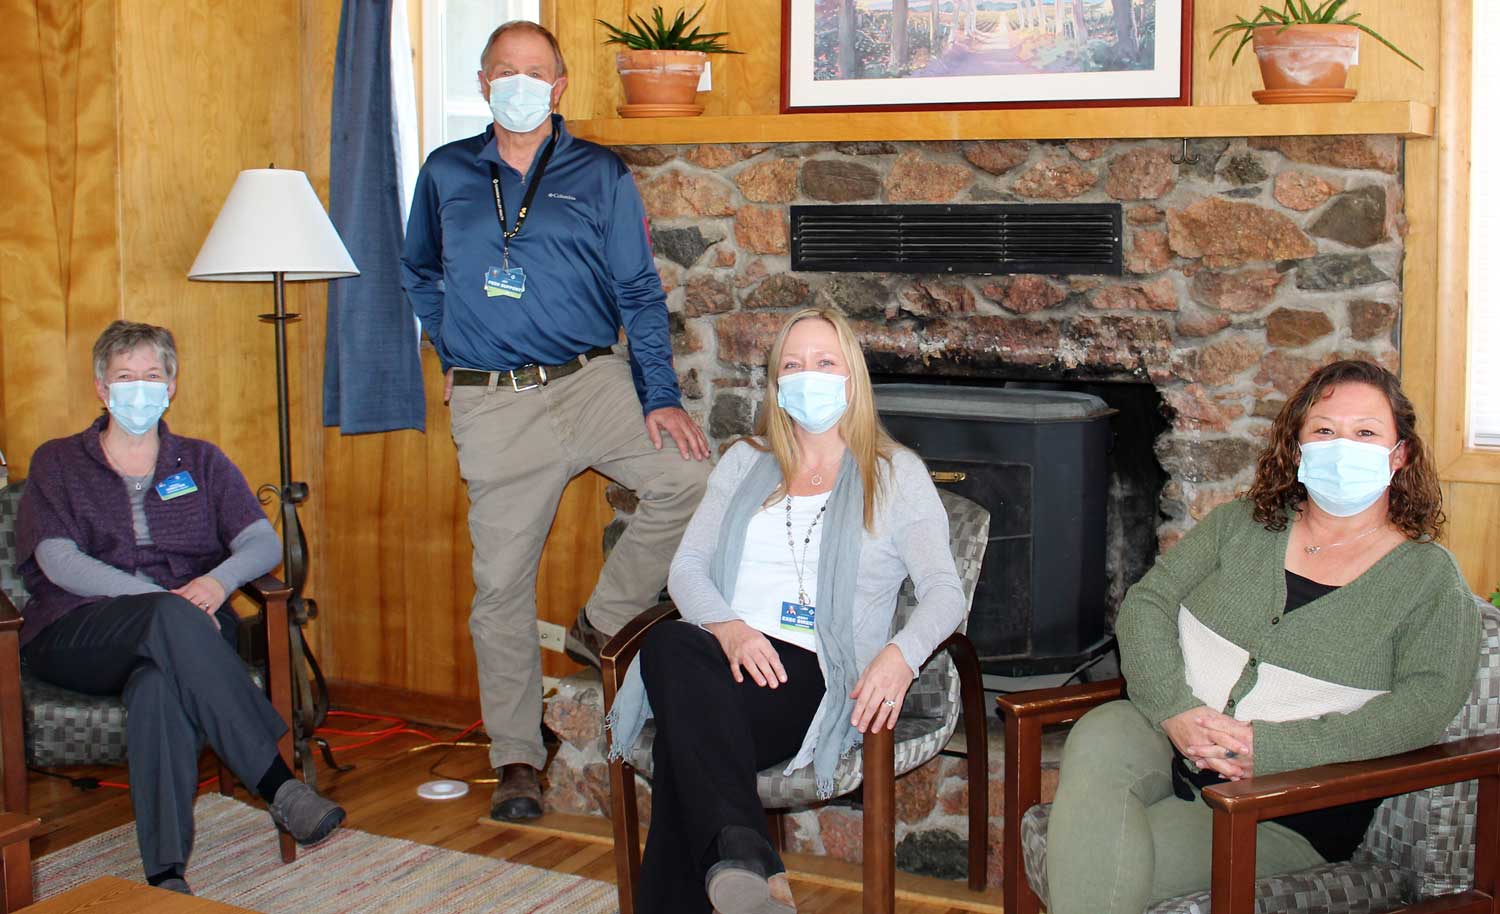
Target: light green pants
x=1119, y=840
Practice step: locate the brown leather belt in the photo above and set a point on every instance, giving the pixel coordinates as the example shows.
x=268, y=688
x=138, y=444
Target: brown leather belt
x=527, y=377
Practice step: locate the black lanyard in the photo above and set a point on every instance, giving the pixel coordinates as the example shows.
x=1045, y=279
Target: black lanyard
x=536, y=181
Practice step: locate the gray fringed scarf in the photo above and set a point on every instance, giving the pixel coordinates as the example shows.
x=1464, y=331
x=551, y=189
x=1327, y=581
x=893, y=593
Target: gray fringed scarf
x=830, y=735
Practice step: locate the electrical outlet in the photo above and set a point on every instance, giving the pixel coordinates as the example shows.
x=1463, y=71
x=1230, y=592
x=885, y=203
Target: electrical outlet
x=552, y=635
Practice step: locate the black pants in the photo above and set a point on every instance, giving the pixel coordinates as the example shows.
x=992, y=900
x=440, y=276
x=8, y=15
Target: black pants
x=182, y=684
x=712, y=736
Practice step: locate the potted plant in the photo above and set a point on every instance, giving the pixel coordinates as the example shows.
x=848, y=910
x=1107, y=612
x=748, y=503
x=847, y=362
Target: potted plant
x=662, y=62
x=1305, y=52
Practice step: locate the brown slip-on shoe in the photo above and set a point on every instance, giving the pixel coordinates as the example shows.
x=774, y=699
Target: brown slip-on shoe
x=518, y=794
x=584, y=643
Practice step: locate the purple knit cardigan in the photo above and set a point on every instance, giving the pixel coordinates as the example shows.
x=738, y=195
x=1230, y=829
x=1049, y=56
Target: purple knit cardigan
x=73, y=493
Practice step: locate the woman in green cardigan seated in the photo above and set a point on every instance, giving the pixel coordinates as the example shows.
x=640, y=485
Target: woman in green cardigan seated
x=1312, y=621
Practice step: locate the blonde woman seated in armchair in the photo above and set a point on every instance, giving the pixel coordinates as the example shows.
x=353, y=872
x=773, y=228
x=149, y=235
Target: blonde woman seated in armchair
x=786, y=579
x=1313, y=621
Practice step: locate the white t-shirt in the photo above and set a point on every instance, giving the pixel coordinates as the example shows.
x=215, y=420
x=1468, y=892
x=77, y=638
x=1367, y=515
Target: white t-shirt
x=768, y=572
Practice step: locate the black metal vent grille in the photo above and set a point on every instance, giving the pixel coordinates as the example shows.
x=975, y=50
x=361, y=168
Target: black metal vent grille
x=1057, y=238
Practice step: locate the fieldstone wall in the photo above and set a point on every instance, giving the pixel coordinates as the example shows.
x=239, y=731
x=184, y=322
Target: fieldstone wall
x=1246, y=268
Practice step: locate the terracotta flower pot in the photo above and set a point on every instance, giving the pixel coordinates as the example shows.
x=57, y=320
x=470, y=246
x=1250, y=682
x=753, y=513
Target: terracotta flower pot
x=660, y=83
x=1306, y=56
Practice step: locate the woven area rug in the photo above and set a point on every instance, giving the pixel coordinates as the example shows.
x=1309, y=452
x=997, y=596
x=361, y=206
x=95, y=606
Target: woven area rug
x=236, y=861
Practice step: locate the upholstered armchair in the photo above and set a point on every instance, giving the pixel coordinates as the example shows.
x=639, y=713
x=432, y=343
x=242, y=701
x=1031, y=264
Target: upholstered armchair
x=949, y=684
x=1434, y=844
x=45, y=726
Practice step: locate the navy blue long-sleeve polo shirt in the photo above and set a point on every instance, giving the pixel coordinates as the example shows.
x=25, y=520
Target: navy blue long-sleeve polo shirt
x=585, y=248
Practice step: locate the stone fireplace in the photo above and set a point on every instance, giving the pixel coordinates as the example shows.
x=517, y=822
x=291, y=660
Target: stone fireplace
x=1247, y=264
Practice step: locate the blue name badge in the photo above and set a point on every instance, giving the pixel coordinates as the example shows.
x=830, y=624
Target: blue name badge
x=509, y=283
x=796, y=618
x=176, y=485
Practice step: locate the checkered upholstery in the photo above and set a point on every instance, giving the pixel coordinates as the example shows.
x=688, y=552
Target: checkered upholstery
x=1419, y=845
x=930, y=712
x=10, y=578
x=62, y=727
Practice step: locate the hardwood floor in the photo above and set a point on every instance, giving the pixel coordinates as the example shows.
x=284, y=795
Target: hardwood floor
x=380, y=795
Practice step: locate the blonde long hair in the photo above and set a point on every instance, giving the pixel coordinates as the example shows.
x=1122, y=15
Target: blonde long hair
x=860, y=427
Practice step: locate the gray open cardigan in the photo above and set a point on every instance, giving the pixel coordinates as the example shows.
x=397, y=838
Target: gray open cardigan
x=909, y=539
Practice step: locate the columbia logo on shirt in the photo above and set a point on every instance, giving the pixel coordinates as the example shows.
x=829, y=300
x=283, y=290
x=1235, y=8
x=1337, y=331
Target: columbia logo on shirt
x=563, y=197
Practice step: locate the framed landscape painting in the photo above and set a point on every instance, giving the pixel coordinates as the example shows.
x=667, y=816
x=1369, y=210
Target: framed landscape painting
x=849, y=55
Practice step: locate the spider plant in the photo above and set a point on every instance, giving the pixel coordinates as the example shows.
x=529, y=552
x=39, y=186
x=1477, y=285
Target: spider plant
x=656, y=34
x=1297, y=12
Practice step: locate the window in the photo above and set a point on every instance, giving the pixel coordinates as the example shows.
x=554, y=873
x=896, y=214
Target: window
x=1484, y=232
x=453, y=34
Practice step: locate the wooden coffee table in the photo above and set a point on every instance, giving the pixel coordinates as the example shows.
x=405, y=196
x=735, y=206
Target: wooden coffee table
x=108, y=895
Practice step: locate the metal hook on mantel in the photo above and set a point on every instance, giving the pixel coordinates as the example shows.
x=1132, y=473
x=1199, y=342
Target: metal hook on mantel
x=1184, y=158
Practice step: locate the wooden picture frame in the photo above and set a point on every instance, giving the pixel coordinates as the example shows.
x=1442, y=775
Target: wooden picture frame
x=989, y=54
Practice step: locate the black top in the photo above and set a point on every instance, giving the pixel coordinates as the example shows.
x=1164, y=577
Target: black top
x=1334, y=833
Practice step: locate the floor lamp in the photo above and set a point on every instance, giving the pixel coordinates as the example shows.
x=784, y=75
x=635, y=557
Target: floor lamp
x=272, y=228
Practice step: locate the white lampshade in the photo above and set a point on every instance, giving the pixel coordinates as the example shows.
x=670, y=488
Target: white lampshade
x=272, y=223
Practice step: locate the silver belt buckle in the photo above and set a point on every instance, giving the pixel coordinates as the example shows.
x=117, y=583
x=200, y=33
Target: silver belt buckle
x=541, y=370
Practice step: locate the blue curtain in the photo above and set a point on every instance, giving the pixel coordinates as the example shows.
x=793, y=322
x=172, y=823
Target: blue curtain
x=372, y=375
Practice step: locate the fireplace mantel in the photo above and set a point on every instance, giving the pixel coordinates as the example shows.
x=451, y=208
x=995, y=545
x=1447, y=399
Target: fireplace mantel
x=1409, y=119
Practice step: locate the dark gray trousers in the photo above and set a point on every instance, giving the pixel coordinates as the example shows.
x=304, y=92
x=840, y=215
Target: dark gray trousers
x=183, y=684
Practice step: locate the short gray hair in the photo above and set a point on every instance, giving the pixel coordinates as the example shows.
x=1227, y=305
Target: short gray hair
x=525, y=25
x=124, y=337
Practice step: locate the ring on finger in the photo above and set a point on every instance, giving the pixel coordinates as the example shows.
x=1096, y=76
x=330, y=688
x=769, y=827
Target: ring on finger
x=889, y=702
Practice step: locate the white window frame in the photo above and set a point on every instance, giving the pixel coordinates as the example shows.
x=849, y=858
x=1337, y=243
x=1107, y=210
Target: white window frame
x=438, y=102
x=1457, y=458
x=1482, y=404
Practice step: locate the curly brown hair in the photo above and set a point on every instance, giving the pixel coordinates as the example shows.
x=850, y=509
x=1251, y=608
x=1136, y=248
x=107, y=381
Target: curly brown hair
x=1416, y=505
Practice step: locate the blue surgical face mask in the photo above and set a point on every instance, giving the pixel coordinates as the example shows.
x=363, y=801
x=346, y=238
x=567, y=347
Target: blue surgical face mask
x=520, y=103
x=138, y=405
x=814, y=399
x=1344, y=477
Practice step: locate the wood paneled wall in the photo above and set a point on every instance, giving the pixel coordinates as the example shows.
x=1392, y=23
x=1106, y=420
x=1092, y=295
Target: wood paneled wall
x=127, y=121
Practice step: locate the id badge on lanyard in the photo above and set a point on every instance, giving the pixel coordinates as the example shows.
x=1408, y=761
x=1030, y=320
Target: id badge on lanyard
x=506, y=281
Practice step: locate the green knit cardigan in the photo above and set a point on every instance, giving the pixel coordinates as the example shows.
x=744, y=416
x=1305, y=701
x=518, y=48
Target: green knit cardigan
x=1407, y=627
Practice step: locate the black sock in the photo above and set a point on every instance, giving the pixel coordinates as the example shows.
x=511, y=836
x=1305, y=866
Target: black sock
x=163, y=876
x=271, y=781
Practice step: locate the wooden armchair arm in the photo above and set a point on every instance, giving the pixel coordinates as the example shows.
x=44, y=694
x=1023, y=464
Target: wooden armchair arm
x=16, y=827
x=1059, y=705
x=10, y=618
x=1239, y=807
x=12, y=727
x=1025, y=714
x=266, y=589
x=1306, y=789
x=615, y=659
x=16, y=831
x=271, y=595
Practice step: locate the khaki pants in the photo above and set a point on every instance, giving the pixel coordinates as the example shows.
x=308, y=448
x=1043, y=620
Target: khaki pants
x=516, y=452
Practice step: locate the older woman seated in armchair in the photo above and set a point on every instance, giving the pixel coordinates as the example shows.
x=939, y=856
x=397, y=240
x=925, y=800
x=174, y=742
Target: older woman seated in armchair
x=1313, y=621
x=130, y=540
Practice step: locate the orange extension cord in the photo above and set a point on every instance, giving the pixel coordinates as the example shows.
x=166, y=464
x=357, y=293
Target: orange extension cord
x=398, y=727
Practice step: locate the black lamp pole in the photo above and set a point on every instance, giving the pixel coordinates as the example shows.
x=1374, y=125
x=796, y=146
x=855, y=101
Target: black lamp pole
x=309, y=704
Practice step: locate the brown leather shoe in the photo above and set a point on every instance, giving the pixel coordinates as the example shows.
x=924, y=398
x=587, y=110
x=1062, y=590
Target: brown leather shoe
x=518, y=794
x=584, y=643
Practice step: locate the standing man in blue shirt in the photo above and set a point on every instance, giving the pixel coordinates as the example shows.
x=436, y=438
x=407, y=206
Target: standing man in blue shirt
x=526, y=252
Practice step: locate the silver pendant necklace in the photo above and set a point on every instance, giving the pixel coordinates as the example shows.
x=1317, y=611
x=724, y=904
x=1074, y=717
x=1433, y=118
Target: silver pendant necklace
x=1314, y=549
x=801, y=565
